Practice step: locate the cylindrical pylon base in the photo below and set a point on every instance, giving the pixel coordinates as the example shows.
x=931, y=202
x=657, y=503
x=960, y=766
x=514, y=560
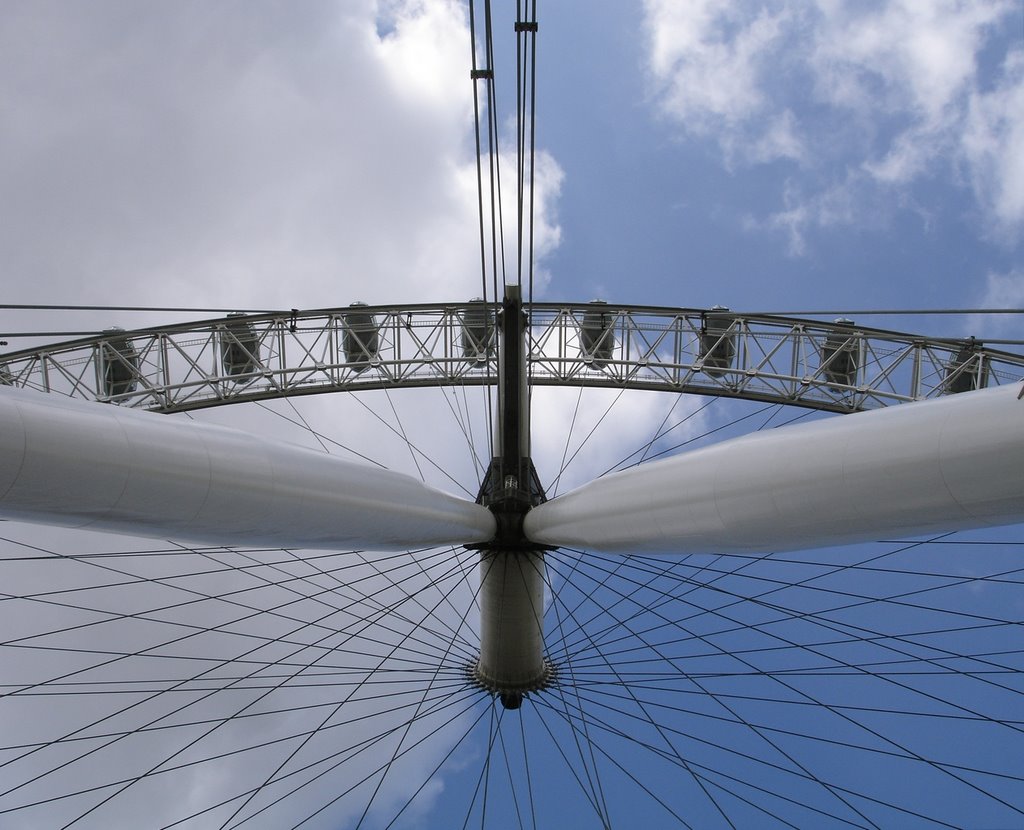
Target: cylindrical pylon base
x=512, y=624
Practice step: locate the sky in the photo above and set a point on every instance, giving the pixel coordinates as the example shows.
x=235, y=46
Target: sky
x=786, y=155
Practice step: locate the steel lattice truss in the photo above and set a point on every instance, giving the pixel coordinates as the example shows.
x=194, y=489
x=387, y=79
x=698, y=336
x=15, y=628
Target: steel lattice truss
x=833, y=366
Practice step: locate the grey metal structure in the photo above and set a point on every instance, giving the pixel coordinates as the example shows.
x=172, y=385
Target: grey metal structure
x=839, y=367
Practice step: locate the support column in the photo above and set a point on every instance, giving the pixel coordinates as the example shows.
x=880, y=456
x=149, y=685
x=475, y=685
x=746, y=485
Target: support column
x=512, y=624
x=512, y=569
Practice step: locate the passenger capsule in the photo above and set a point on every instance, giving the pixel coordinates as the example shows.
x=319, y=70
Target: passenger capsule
x=239, y=348
x=717, y=342
x=840, y=357
x=967, y=370
x=478, y=330
x=119, y=364
x=597, y=338
x=361, y=339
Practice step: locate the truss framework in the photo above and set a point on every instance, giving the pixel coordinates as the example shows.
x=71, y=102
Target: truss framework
x=837, y=366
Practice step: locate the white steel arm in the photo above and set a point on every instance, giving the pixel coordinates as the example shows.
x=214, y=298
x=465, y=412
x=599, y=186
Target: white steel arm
x=920, y=468
x=73, y=463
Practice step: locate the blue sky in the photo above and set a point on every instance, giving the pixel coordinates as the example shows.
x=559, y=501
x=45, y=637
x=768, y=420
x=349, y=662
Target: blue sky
x=898, y=192
x=774, y=156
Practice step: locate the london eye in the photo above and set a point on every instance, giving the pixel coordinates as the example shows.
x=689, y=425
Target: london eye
x=508, y=561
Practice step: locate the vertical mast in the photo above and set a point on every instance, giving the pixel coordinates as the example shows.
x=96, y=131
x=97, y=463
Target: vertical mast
x=512, y=569
x=511, y=662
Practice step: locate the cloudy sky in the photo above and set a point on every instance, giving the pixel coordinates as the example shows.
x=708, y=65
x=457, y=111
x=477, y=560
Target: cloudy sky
x=783, y=155
x=862, y=155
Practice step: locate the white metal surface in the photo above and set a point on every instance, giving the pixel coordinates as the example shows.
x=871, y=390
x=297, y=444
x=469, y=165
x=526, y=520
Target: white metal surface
x=920, y=468
x=103, y=467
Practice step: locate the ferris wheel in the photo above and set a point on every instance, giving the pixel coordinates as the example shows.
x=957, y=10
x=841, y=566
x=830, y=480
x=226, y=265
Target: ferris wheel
x=681, y=640
x=529, y=605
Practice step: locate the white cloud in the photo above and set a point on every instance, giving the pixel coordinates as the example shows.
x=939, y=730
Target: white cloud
x=305, y=157
x=1002, y=290
x=887, y=93
x=993, y=145
x=779, y=140
x=909, y=56
x=707, y=58
x=254, y=155
x=825, y=209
